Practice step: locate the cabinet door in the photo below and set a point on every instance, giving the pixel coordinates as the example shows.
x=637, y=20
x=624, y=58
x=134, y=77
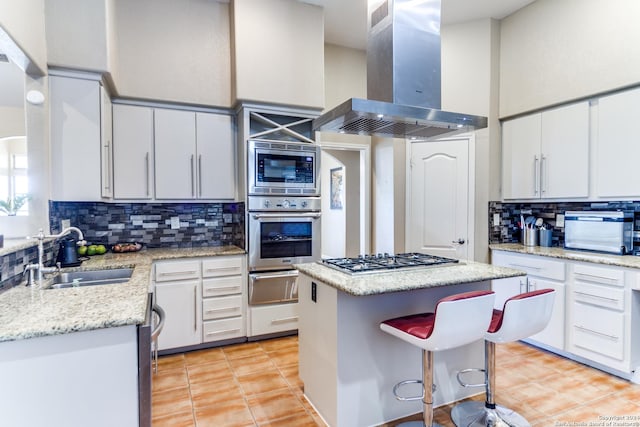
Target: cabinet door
x=75, y=139
x=175, y=154
x=564, y=152
x=521, y=157
x=618, y=145
x=132, y=152
x=106, y=129
x=183, y=322
x=553, y=334
x=507, y=288
x=216, y=175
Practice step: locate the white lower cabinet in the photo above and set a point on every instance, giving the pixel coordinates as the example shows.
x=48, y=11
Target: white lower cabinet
x=594, y=313
x=270, y=319
x=178, y=293
x=598, y=329
x=542, y=273
x=204, y=300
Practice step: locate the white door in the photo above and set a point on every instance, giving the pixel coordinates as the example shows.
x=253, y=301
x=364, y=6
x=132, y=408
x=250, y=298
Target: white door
x=438, y=198
x=216, y=175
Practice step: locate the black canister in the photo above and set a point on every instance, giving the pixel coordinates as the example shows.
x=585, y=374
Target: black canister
x=68, y=254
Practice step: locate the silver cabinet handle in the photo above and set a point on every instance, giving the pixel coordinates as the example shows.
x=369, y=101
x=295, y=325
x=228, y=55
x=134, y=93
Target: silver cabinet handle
x=178, y=273
x=596, y=296
x=217, y=310
x=222, y=288
x=107, y=185
x=611, y=337
x=523, y=285
x=285, y=320
x=597, y=279
x=213, y=270
x=543, y=169
x=525, y=266
x=200, y=175
x=536, y=170
x=226, y=331
x=195, y=308
x=193, y=179
x=146, y=171
x=287, y=215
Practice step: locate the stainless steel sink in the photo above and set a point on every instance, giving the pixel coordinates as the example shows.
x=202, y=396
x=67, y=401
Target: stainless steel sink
x=91, y=278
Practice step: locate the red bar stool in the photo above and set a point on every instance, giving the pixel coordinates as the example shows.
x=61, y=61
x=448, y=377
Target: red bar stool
x=522, y=316
x=456, y=321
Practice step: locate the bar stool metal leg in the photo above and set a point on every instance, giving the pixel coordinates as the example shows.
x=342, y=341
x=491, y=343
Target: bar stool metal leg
x=427, y=396
x=487, y=414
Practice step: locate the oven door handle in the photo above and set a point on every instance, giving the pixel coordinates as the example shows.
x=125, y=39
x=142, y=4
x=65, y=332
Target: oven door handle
x=287, y=215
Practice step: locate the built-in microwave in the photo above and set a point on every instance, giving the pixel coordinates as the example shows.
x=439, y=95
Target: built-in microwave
x=275, y=167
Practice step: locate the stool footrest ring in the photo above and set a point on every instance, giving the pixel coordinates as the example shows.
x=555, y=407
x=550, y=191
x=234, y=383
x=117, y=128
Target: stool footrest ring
x=465, y=371
x=405, y=398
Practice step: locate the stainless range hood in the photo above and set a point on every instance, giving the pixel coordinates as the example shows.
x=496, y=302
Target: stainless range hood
x=403, y=79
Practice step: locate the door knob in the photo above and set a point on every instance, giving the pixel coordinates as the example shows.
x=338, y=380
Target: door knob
x=458, y=242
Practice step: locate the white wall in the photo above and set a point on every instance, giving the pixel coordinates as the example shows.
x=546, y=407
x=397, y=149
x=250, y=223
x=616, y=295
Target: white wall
x=175, y=51
x=333, y=220
x=284, y=63
x=11, y=121
x=470, y=59
x=77, y=34
x=554, y=51
x=345, y=72
x=24, y=21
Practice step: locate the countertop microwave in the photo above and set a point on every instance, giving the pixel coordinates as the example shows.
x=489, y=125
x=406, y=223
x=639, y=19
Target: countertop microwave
x=601, y=231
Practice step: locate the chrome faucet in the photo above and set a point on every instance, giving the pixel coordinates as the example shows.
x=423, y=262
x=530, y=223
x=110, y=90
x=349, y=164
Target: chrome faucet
x=41, y=269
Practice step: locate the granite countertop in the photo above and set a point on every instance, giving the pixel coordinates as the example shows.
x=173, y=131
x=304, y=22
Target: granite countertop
x=27, y=312
x=629, y=261
x=406, y=279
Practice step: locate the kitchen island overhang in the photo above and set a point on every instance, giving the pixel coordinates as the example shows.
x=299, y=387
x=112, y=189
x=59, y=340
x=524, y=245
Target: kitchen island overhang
x=348, y=366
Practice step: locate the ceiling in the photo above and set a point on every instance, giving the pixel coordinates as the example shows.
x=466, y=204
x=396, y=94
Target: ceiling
x=345, y=21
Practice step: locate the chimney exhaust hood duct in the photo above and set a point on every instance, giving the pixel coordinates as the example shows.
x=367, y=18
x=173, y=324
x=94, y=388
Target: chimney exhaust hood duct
x=403, y=79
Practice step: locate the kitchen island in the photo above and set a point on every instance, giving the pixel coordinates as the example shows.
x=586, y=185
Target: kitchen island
x=349, y=366
x=69, y=357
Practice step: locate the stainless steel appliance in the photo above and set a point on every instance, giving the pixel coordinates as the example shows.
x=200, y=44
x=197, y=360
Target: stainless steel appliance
x=283, y=168
x=403, y=78
x=385, y=262
x=148, y=357
x=602, y=231
x=283, y=232
x=273, y=287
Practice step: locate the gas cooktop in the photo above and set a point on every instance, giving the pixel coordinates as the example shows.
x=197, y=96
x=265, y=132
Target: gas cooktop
x=384, y=262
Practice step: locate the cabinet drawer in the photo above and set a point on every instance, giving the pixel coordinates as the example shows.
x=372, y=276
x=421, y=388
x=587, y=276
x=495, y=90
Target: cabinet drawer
x=598, y=330
x=603, y=296
x=268, y=319
x=533, y=265
x=222, y=266
x=600, y=275
x=216, y=330
x=222, y=286
x=221, y=307
x=177, y=270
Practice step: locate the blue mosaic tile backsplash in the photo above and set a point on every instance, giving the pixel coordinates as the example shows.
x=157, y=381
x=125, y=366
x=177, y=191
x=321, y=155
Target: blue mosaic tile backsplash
x=194, y=225
x=508, y=231
x=199, y=224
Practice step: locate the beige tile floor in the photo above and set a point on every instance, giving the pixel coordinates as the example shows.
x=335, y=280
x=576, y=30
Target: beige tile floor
x=257, y=384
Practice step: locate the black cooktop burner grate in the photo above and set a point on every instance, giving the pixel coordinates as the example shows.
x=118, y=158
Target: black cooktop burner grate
x=384, y=262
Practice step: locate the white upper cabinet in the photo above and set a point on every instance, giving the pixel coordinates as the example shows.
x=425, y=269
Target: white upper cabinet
x=175, y=154
x=132, y=152
x=106, y=165
x=618, y=145
x=546, y=155
x=216, y=166
x=194, y=156
x=75, y=139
